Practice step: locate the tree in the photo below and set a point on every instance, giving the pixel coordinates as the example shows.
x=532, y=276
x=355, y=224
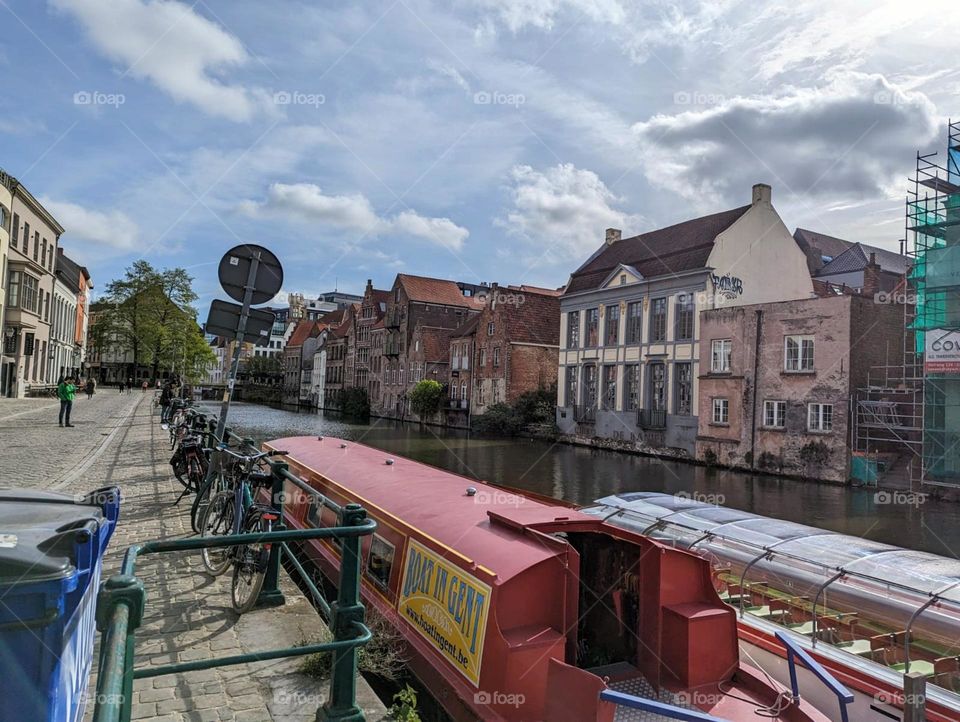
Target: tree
x=426, y=397
x=148, y=314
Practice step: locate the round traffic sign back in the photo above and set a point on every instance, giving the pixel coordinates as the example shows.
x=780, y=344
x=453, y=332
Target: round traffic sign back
x=234, y=272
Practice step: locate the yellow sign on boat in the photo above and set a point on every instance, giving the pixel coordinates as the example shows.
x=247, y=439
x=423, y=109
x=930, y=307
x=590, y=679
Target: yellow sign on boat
x=447, y=607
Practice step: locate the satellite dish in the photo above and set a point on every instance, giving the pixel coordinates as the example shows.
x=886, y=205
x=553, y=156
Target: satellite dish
x=235, y=268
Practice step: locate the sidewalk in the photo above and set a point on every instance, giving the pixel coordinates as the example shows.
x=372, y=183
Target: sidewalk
x=118, y=441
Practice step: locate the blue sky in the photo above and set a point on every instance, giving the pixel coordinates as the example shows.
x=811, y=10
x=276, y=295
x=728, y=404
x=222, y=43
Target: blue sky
x=483, y=140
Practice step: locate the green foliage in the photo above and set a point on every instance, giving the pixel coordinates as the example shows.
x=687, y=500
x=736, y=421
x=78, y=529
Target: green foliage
x=148, y=314
x=500, y=419
x=532, y=409
x=426, y=397
x=709, y=457
x=382, y=655
x=814, y=453
x=262, y=366
x=355, y=405
x=404, y=708
x=768, y=461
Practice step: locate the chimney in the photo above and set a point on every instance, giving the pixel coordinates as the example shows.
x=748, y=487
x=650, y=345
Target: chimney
x=613, y=235
x=871, y=278
x=761, y=193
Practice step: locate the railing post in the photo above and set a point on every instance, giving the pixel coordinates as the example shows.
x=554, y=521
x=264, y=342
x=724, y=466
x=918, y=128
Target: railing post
x=341, y=705
x=270, y=595
x=120, y=604
x=914, y=697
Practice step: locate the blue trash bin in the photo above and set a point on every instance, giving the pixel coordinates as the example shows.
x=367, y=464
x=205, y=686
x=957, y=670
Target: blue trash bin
x=51, y=548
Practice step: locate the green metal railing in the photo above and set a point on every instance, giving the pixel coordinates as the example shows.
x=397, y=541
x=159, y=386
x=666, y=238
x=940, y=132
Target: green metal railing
x=122, y=598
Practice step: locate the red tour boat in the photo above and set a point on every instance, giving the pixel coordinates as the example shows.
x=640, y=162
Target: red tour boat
x=521, y=608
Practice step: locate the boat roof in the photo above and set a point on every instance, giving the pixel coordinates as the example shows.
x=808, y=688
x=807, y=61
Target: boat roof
x=435, y=502
x=680, y=518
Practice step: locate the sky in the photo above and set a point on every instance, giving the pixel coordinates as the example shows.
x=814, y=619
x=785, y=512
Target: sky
x=479, y=140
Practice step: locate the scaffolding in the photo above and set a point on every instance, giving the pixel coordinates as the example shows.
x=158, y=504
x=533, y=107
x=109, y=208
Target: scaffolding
x=906, y=420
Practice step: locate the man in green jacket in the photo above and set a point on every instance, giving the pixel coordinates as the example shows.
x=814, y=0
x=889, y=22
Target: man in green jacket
x=65, y=392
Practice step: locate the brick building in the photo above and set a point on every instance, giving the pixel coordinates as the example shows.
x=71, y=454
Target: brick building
x=293, y=359
x=778, y=378
x=413, y=301
x=460, y=377
x=517, y=340
x=335, y=345
x=429, y=356
x=373, y=307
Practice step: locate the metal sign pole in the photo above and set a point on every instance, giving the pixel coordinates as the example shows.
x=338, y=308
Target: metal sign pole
x=241, y=329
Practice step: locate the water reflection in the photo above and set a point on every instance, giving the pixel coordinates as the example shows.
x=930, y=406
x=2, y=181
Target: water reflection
x=581, y=475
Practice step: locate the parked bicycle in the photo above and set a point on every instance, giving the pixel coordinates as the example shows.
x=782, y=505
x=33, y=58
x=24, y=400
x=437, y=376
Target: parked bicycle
x=235, y=510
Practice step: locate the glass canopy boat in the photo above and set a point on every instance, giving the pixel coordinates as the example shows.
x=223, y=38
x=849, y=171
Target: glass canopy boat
x=869, y=612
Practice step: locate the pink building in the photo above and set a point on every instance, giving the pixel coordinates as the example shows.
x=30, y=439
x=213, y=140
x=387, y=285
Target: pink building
x=777, y=380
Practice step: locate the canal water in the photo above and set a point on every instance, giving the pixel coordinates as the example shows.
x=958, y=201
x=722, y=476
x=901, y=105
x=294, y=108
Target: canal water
x=581, y=475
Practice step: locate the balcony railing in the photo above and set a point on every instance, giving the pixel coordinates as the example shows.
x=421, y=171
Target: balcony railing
x=584, y=413
x=652, y=418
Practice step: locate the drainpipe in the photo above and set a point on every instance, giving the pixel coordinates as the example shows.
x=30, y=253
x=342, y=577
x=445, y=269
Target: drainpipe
x=756, y=390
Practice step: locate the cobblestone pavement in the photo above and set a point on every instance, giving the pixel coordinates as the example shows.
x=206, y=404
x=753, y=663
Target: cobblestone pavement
x=117, y=440
x=37, y=452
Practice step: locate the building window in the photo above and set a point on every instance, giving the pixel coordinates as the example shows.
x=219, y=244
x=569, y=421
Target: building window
x=610, y=387
x=26, y=238
x=401, y=375
x=463, y=390
x=13, y=289
x=623, y=279
x=380, y=561
x=720, y=350
x=820, y=417
x=571, y=385
x=15, y=230
x=798, y=353
x=611, y=326
x=590, y=386
x=36, y=245
x=775, y=414
x=634, y=322
x=631, y=384
x=496, y=357
x=658, y=387
x=483, y=357
x=685, y=317
x=721, y=411
x=490, y=329
x=658, y=320
x=684, y=380
x=593, y=327
x=573, y=329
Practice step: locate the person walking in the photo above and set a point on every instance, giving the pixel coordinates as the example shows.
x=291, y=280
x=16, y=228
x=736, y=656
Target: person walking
x=121, y=387
x=66, y=390
x=89, y=388
x=166, y=396
x=143, y=390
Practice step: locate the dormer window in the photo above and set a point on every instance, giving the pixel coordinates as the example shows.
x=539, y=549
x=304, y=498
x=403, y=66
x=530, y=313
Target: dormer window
x=623, y=279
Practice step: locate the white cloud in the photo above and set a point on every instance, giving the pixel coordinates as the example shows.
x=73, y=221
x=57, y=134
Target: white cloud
x=563, y=210
x=352, y=213
x=851, y=138
x=171, y=45
x=542, y=14
x=111, y=229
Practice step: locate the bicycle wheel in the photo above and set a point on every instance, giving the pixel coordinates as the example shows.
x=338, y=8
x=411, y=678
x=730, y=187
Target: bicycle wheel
x=179, y=463
x=207, y=491
x=250, y=563
x=217, y=521
x=196, y=471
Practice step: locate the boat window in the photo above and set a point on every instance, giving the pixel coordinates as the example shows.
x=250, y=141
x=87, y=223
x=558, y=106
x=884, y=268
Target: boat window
x=314, y=508
x=380, y=561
